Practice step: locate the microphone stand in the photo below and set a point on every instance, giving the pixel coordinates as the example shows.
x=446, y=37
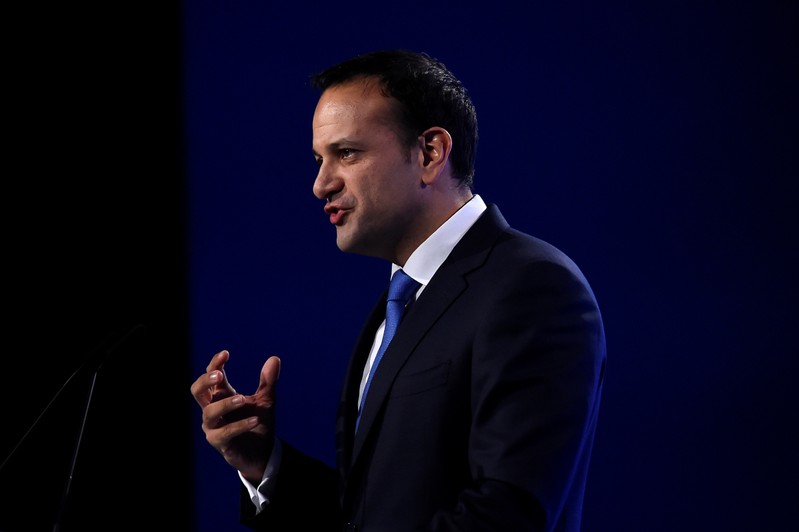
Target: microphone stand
x=62, y=507
x=98, y=363
x=95, y=359
x=56, y=396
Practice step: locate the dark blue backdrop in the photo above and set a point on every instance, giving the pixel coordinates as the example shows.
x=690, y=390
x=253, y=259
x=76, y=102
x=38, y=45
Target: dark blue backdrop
x=159, y=173
x=654, y=143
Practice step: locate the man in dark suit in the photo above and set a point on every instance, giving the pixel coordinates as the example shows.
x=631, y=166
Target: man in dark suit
x=482, y=411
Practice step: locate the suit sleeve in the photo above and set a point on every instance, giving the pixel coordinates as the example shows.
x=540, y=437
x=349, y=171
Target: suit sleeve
x=306, y=497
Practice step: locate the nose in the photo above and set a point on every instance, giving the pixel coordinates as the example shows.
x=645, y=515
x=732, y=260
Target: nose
x=326, y=183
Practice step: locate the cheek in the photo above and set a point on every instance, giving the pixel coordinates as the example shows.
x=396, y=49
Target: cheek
x=370, y=184
x=384, y=186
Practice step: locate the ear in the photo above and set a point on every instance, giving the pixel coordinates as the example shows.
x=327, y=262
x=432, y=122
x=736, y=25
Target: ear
x=436, y=145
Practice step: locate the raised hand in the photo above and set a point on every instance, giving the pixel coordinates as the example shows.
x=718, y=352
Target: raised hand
x=241, y=427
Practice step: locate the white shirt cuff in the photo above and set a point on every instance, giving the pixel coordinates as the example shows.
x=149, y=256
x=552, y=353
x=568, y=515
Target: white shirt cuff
x=260, y=495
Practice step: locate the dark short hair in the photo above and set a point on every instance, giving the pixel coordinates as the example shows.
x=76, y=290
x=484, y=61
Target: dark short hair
x=428, y=94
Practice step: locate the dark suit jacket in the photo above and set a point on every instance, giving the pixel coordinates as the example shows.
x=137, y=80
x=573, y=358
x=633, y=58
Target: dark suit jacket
x=481, y=415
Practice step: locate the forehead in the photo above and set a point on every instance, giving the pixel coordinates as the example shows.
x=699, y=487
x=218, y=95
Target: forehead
x=352, y=106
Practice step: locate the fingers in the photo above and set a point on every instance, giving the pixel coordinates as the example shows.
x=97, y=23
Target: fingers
x=218, y=361
x=227, y=419
x=240, y=427
x=266, y=393
x=222, y=405
x=228, y=411
x=212, y=385
x=270, y=373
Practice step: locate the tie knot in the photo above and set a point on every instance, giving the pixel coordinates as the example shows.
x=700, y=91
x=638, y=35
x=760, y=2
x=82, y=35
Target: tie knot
x=402, y=286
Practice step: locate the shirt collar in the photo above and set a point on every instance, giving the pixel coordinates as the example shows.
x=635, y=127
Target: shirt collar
x=426, y=259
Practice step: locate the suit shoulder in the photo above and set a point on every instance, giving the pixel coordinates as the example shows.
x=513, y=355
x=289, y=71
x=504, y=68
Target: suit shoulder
x=529, y=248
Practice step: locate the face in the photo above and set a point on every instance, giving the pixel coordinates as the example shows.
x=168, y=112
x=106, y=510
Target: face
x=372, y=183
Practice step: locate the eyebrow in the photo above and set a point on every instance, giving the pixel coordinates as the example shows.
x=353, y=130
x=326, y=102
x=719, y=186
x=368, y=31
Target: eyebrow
x=335, y=145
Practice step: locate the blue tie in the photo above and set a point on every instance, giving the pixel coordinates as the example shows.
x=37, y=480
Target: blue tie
x=400, y=290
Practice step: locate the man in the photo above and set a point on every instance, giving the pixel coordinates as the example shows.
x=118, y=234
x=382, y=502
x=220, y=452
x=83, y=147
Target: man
x=481, y=413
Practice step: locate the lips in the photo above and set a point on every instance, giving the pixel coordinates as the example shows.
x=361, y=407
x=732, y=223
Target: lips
x=335, y=212
x=336, y=216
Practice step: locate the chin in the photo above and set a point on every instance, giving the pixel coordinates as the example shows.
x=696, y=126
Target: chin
x=344, y=244
x=348, y=245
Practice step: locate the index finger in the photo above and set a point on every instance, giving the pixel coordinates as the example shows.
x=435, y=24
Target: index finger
x=213, y=385
x=218, y=361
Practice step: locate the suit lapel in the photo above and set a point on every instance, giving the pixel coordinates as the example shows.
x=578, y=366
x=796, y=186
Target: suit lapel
x=348, y=403
x=447, y=284
x=420, y=317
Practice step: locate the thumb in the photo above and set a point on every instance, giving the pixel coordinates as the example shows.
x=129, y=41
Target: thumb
x=270, y=373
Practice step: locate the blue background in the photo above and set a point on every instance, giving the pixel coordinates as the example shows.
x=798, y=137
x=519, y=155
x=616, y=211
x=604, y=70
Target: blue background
x=654, y=143
x=161, y=173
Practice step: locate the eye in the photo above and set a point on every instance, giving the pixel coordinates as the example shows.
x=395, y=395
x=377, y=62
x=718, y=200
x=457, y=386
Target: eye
x=318, y=160
x=346, y=153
